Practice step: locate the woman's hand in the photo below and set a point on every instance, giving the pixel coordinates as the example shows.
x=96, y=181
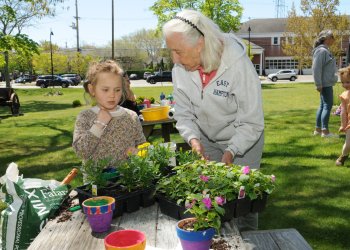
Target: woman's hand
x=341, y=129
x=227, y=158
x=197, y=146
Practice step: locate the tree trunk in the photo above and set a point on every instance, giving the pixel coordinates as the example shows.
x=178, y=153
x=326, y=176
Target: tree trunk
x=7, y=76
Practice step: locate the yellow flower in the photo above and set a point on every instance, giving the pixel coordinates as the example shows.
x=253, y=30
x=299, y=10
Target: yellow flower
x=144, y=145
x=142, y=153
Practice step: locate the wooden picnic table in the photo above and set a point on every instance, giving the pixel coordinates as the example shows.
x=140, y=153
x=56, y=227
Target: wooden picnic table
x=167, y=128
x=159, y=229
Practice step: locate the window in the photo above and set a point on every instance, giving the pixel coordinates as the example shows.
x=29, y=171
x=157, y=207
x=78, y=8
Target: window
x=275, y=41
x=281, y=64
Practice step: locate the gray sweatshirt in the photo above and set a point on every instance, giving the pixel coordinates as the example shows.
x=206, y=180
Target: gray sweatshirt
x=228, y=110
x=324, y=68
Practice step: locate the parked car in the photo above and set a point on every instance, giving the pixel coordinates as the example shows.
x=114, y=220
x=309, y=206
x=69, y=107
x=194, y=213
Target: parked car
x=75, y=78
x=146, y=74
x=45, y=81
x=23, y=79
x=133, y=77
x=285, y=74
x=163, y=76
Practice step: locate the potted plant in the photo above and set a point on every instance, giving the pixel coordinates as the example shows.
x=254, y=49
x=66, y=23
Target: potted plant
x=99, y=212
x=137, y=175
x=197, y=232
x=163, y=155
x=237, y=185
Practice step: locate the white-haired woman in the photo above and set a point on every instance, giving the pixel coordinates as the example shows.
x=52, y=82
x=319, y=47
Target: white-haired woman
x=217, y=93
x=324, y=70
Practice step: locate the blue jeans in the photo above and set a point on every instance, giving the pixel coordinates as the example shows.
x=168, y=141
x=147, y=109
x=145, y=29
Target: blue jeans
x=324, y=111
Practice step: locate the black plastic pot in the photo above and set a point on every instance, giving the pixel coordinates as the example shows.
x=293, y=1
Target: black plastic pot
x=229, y=210
x=258, y=205
x=242, y=207
x=168, y=207
x=132, y=201
x=148, y=196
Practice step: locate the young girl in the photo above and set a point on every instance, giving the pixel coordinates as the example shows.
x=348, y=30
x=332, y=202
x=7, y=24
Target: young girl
x=106, y=130
x=345, y=114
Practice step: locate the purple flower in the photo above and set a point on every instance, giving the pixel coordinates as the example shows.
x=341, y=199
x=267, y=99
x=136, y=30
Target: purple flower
x=204, y=178
x=273, y=178
x=220, y=200
x=246, y=170
x=188, y=205
x=207, y=202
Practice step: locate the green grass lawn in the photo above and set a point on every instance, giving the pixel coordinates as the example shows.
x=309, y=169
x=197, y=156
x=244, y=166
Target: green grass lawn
x=312, y=194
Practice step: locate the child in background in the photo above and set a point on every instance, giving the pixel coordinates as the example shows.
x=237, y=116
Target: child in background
x=106, y=130
x=345, y=114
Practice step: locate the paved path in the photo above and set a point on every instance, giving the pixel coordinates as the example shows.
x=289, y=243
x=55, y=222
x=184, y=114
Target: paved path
x=143, y=83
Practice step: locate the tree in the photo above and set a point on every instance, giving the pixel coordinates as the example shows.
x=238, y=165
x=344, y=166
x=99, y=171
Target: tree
x=226, y=13
x=302, y=30
x=14, y=15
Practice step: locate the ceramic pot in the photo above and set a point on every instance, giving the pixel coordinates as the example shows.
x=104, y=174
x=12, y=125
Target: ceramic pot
x=125, y=240
x=194, y=240
x=99, y=212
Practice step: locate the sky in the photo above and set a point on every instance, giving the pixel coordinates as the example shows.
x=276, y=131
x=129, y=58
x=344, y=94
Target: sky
x=95, y=23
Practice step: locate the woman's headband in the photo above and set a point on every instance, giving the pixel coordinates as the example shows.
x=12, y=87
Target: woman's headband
x=190, y=23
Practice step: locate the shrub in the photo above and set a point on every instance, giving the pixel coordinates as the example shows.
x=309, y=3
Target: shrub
x=76, y=103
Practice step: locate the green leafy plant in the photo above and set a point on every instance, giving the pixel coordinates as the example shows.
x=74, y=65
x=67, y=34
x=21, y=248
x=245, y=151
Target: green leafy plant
x=160, y=154
x=93, y=171
x=206, y=209
x=137, y=172
x=184, y=156
x=139, y=100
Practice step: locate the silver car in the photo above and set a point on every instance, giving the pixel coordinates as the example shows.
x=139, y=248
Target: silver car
x=285, y=74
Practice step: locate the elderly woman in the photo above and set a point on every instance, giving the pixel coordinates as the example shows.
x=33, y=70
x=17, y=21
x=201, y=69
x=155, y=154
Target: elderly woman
x=324, y=70
x=216, y=90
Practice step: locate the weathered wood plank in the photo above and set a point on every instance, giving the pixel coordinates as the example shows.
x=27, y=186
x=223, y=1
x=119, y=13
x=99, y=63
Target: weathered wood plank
x=143, y=220
x=286, y=239
x=166, y=233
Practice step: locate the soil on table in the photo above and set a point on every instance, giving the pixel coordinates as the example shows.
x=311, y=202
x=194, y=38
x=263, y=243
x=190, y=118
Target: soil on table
x=220, y=244
x=63, y=214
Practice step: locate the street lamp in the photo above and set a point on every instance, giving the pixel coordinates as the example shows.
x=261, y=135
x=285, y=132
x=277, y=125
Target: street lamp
x=249, y=30
x=112, y=29
x=51, y=34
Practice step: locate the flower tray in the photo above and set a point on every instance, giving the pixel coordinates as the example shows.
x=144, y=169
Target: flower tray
x=124, y=201
x=171, y=208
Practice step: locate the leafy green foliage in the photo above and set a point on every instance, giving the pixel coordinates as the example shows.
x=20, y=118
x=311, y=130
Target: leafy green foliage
x=137, y=173
x=93, y=171
x=225, y=13
x=76, y=103
x=185, y=156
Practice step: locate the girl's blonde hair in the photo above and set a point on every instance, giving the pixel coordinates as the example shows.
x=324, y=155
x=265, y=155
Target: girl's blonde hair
x=107, y=66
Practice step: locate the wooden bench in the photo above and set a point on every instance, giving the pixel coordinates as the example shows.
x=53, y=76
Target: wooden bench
x=9, y=98
x=286, y=239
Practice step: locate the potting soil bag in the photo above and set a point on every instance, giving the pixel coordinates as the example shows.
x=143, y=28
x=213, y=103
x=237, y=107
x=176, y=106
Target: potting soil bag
x=30, y=203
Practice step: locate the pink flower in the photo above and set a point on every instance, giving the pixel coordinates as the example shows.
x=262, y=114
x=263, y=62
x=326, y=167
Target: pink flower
x=204, y=178
x=246, y=170
x=220, y=200
x=273, y=178
x=188, y=205
x=207, y=202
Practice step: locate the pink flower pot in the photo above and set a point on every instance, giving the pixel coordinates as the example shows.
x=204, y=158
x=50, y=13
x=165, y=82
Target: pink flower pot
x=125, y=240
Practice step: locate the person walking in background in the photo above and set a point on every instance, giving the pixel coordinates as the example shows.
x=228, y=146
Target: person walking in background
x=325, y=76
x=217, y=94
x=345, y=114
x=107, y=129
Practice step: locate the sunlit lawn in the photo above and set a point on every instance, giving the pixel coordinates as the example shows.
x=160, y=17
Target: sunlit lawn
x=312, y=195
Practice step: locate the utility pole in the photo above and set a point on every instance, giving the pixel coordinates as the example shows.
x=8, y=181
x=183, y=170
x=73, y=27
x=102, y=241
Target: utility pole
x=112, y=29
x=77, y=23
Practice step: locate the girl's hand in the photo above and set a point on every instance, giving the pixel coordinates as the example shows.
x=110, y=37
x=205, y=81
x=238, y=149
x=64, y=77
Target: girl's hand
x=131, y=151
x=104, y=116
